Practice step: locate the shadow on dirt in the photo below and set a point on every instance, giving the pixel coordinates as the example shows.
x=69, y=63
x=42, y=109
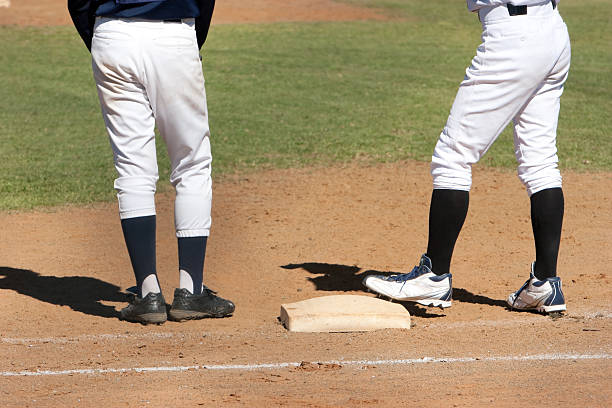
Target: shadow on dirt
x=462, y=295
x=80, y=293
x=345, y=278
x=334, y=277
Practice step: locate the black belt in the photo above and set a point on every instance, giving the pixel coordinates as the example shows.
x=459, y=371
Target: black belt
x=522, y=10
x=174, y=20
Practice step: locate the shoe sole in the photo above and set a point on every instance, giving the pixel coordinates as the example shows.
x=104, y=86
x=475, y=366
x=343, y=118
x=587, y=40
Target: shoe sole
x=180, y=315
x=148, y=318
x=552, y=309
x=541, y=309
x=442, y=304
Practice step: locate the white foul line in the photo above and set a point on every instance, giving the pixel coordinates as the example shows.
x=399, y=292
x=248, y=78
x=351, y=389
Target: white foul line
x=251, y=367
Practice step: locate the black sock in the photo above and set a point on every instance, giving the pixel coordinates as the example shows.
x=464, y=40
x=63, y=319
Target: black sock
x=192, y=251
x=139, y=234
x=546, y=221
x=447, y=213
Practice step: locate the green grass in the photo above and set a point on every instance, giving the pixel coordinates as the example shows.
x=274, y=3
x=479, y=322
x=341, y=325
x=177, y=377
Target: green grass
x=584, y=125
x=287, y=95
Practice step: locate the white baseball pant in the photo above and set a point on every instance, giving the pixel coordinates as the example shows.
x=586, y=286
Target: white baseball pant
x=148, y=73
x=517, y=75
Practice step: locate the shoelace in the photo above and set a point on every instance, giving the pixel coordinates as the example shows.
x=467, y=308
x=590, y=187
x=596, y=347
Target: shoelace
x=403, y=277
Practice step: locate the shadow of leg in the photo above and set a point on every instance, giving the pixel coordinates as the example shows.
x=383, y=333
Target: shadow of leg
x=421, y=311
x=80, y=293
x=462, y=295
x=333, y=277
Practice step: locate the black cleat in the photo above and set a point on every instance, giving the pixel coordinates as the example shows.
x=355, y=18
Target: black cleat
x=148, y=310
x=187, y=306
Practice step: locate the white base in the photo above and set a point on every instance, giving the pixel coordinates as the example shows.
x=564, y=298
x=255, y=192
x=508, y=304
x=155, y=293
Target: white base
x=343, y=313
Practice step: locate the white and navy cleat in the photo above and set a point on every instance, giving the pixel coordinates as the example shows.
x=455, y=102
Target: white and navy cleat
x=421, y=285
x=545, y=296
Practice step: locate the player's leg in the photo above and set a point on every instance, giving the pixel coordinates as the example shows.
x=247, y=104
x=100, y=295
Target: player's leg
x=535, y=135
x=130, y=126
x=535, y=129
x=178, y=98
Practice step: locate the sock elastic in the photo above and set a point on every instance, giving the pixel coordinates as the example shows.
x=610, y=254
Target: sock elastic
x=447, y=213
x=547, y=208
x=192, y=251
x=139, y=234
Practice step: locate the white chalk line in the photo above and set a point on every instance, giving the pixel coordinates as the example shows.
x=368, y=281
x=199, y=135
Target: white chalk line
x=273, y=366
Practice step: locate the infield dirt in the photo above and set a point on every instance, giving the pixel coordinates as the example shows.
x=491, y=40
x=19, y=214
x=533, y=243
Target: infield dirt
x=287, y=235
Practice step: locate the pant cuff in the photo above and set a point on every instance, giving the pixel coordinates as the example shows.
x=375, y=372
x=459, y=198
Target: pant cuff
x=204, y=232
x=145, y=212
x=536, y=189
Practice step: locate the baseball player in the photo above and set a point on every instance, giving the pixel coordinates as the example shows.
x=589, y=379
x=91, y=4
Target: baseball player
x=517, y=75
x=148, y=72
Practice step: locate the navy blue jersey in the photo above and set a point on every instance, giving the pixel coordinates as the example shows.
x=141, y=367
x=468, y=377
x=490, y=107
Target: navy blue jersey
x=149, y=10
x=84, y=13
